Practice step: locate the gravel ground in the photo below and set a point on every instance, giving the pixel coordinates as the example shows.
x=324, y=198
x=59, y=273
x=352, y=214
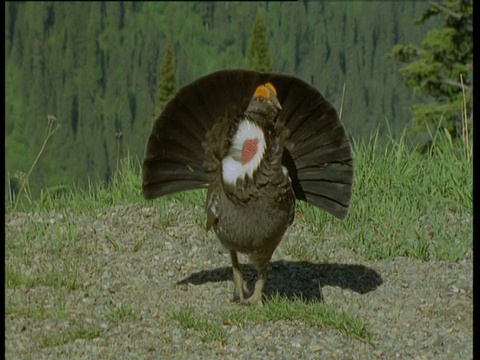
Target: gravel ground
x=416, y=309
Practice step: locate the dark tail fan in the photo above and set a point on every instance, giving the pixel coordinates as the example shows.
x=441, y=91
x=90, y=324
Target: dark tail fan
x=174, y=155
x=322, y=161
x=319, y=161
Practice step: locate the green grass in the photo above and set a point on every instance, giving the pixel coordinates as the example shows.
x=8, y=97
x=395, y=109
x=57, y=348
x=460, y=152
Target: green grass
x=124, y=189
x=405, y=203
x=54, y=250
x=39, y=312
x=117, y=314
x=208, y=329
x=15, y=278
x=75, y=333
x=315, y=314
x=52, y=340
x=276, y=308
x=18, y=307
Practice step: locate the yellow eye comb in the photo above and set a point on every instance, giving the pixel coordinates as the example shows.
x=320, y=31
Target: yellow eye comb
x=264, y=91
x=272, y=88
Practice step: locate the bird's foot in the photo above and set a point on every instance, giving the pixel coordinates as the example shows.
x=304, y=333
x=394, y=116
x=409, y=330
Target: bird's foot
x=255, y=299
x=240, y=293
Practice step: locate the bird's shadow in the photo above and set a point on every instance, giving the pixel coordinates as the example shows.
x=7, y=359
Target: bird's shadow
x=291, y=279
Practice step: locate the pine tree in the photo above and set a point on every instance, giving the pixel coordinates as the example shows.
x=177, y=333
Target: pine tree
x=167, y=76
x=437, y=68
x=258, y=57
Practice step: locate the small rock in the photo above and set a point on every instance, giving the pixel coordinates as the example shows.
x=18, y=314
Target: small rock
x=248, y=338
x=15, y=222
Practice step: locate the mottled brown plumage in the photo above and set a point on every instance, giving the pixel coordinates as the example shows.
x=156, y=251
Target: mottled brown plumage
x=255, y=155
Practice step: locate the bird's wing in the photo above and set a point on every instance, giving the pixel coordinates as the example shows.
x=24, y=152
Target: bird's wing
x=319, y=161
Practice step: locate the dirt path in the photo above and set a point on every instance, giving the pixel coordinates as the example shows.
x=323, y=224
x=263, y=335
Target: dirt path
x=131, y=276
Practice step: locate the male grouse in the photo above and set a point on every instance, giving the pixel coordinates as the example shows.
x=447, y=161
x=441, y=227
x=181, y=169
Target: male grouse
x=255, y=155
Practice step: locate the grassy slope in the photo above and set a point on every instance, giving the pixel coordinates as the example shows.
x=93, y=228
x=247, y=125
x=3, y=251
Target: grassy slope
x=404, y=204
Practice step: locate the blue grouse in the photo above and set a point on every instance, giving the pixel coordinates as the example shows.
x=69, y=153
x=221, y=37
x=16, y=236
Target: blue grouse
x=255, y=155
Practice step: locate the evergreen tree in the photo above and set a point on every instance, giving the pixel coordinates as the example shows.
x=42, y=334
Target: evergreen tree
x=258, y=57
x=168, y=79
x=435, y=69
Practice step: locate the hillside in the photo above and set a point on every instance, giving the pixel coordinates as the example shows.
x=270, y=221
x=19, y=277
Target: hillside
x=95, y=67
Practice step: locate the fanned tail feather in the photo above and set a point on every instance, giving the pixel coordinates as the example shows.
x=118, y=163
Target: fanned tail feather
x=319, y=160
x=175, y=154
x=321, y=165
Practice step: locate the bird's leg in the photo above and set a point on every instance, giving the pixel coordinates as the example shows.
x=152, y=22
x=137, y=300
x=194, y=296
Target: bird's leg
x=261, y=263
x=256, y=297
x=240, y=287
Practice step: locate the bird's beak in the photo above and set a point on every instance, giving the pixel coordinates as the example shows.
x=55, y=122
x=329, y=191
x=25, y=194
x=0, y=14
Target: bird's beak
x=276, y=103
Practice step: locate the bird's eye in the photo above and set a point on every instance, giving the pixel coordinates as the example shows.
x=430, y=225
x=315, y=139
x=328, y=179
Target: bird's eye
x=260, y=99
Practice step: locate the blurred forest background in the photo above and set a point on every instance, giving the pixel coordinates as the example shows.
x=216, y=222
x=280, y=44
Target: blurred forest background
x=97, y=68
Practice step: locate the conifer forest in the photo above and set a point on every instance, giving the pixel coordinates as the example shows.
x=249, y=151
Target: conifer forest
x=104, y=70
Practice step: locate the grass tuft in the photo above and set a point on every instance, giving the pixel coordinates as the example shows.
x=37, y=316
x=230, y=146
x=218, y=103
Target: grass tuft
x=312, y=313
x=405, y=203
x=412, y=204
x=116, y=314
x=209, y=331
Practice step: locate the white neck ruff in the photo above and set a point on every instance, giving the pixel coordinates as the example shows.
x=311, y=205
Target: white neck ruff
x=232, y=167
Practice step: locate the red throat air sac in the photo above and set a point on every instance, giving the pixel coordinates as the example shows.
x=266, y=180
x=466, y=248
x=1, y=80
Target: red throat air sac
x=249, y=149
